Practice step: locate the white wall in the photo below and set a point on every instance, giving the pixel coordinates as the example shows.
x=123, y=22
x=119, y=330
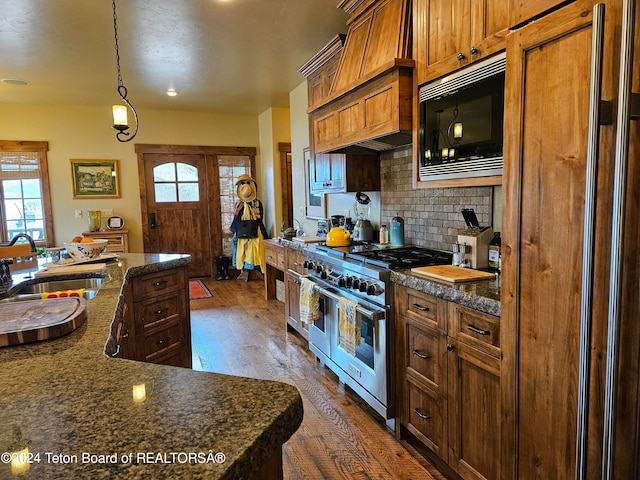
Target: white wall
x=275, y=128
x=84, y=132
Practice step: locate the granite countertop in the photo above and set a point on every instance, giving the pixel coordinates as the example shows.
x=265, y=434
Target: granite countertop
x=483, y=295
x=73, y=405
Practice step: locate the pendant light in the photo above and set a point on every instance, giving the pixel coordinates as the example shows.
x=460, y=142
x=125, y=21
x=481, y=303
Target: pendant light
x=120, y=121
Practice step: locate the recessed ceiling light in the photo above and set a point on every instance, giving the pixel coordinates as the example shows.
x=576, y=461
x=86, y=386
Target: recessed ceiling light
x=15, y=81
x=172, y=93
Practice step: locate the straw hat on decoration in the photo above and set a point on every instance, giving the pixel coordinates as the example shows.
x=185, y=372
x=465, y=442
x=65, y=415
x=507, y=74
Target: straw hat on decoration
x=246, y=188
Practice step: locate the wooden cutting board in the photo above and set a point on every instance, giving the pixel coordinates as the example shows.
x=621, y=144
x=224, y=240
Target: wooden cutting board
x=34, y=320
x=449, y=273
x=69, y=269
x=309, y=239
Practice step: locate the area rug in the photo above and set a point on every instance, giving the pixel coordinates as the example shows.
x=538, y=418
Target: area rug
x=198, y=290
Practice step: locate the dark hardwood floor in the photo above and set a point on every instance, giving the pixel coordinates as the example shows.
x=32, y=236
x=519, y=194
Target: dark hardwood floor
x=238, y=332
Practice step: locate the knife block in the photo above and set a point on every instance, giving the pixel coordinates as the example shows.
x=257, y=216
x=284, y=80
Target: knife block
x=478, y=240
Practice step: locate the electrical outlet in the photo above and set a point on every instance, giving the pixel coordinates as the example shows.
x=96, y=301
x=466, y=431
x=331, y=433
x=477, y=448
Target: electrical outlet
x=79, y=214
x=107, y=213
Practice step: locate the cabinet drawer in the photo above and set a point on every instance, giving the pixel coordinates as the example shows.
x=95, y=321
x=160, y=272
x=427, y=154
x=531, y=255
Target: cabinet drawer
x=274, y=256
x=154, y=311
x=475, y=328
x=427, y=414
x=162, y=340
x=421, y=307
x=155, y=284
x=295, y=261
x=426, y=354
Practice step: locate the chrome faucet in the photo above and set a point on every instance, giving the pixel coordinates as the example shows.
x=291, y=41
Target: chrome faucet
x=21, y=235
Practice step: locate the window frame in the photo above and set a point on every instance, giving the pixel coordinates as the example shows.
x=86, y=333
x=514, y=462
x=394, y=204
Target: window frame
x=41, y=149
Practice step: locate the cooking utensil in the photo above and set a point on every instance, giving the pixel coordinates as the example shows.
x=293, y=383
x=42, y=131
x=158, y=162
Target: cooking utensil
x=338, y=237
x=470, y=218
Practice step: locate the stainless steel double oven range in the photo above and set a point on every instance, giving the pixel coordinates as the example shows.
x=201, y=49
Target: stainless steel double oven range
x=362, y=273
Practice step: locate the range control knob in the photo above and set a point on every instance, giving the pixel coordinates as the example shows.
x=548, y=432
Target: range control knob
x=319, y=268
x=348, y=282
x=308, y=264
x=342, y=282
x=374, y=289
x=363, y=286
x=355, y=284
x=324, y=274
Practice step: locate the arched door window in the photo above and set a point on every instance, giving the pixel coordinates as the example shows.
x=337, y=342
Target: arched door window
x=176, y=182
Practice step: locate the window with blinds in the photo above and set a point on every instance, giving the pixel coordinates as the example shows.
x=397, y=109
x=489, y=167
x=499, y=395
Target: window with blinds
x=25, y=205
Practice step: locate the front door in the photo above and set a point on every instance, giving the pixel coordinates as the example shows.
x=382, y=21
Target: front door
x=187, y=195
x=178, y=208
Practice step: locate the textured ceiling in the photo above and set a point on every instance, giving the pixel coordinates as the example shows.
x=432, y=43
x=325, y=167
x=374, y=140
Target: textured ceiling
x=223, y=56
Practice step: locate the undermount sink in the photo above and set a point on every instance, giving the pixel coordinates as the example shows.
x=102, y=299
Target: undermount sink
x=34, y=291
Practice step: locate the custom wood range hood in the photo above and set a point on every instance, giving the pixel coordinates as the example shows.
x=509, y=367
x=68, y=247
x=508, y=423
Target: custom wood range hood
x=365, y=105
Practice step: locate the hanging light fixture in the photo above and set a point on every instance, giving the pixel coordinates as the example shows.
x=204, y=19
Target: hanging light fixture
x=120, y=121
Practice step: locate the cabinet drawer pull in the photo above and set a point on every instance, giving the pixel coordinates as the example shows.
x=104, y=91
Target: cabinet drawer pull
x=420, y=307
x=161, y=311
x=478, y=331
x=421, y=415
x=160, y=284
x=162, y=341
x=421, y=355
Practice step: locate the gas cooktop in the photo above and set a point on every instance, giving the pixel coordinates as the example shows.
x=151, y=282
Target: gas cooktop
x=391, y=257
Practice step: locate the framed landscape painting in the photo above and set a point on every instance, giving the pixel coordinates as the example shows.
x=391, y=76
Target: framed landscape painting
x=95, y=178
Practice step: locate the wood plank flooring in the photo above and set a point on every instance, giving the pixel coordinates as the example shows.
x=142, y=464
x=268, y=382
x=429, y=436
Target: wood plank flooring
x=238, y=332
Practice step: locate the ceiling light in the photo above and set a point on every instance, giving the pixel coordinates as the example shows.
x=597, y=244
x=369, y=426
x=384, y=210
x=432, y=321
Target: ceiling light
x=15, y=81
x=120, y=122
x=172, y=92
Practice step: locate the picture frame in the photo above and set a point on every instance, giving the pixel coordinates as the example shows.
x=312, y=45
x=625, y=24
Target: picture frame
x=95, y=178
x=315, y=206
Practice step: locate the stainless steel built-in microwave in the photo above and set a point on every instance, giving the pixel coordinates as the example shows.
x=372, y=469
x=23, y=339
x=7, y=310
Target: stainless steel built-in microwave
x=461, y=122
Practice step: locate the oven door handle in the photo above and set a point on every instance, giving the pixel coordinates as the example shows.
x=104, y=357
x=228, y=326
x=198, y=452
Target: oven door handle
x=372, y=315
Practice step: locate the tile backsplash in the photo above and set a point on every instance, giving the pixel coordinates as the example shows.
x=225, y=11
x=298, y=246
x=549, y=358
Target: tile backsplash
x=432, y=216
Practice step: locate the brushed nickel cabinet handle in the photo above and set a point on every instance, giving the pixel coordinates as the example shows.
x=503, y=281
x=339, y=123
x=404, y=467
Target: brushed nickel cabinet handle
x=420, y=414
x=162, y=341
x=420, y=307
x=478, y=330
x=421, y=355
x=160, y=284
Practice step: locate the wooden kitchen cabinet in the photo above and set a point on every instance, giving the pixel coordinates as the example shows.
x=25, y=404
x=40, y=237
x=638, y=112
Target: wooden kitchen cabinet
x=295, y=270
x=118, y=240
x=274, y=257
x=449, y=385
x=341, y=173
x=473, y=393
x=422, y=354
x=449, y=34
x=545, y=198
x=524, y=10
x=156, y=324
x=321, y=70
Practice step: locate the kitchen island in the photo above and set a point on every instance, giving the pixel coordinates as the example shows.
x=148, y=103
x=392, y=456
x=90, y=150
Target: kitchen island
x=82, y=414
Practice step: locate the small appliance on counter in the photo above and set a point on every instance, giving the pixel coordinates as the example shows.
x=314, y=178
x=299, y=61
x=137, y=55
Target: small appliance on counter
x=476, y=238
x=397, y=231
x=363, y=230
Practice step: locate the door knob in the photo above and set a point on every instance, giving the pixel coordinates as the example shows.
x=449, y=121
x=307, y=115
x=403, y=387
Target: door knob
x=152, y=220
